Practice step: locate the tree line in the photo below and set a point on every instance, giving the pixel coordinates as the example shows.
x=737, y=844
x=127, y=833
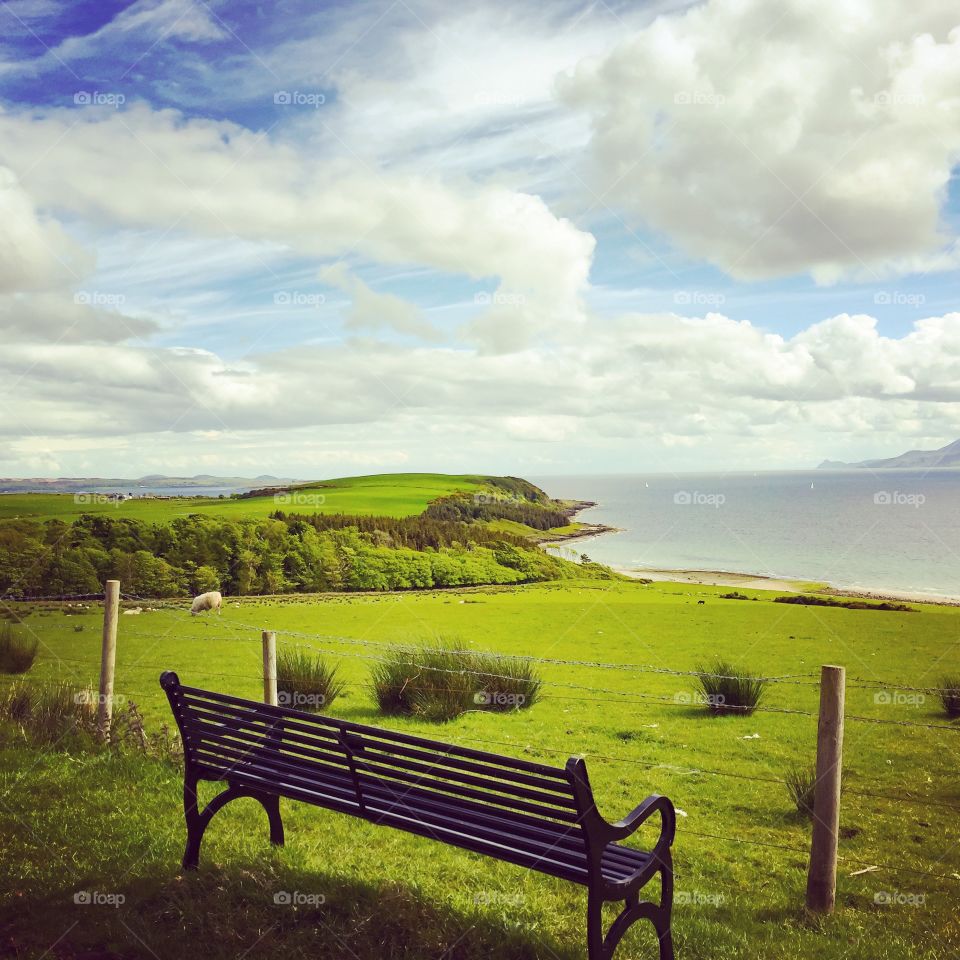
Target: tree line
x=278, y=554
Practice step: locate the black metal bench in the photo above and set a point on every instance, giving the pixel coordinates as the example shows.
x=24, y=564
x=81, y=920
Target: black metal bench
x=536, y=816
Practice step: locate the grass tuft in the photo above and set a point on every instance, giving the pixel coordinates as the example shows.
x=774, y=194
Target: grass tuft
x=306, y=682
x=440, y=684
x=949, y=694
x=801, y=785
x=49, y=713
x=16, y=652
x=729, y=689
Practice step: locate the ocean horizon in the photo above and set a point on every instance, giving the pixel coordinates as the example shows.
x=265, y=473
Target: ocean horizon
x=894, y=531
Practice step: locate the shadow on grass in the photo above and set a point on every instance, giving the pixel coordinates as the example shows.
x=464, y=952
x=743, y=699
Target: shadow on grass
x=264, y=909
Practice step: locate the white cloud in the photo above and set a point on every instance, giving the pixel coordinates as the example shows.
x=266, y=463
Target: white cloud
x=815, y=136
x=711, y=385
x=87, y=316
x=372, y=311
x=155, y=169
x=133, y=33
x=35, y=253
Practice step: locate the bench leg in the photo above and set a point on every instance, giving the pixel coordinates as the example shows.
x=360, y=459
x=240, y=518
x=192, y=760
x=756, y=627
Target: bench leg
x=197, y=821
x=600, y=947
x=595, y=944
x=272, y=806
x=195, y=826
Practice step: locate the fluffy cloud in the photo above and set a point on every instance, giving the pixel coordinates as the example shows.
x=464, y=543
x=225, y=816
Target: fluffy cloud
x=86, y=316
x=372, y=311
x=35, y=253
x=817, y=136
x=149, y=168
x=655, y=379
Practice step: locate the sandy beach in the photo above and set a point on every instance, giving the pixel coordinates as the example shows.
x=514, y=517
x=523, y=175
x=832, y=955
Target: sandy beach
x=753, y=581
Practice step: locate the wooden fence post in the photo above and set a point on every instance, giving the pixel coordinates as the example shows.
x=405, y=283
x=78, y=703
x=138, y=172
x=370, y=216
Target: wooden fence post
x=822, y=875
x=108, y=657
x=269, y=667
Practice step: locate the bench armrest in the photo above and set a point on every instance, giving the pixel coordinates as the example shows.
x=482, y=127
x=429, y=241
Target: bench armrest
x=653, y=804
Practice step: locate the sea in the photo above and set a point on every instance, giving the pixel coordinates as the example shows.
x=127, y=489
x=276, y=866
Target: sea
x=895, y=531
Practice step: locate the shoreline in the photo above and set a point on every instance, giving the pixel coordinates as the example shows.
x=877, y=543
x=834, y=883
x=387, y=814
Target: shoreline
x=759, y=581
x=750, y=581
x=586, y=531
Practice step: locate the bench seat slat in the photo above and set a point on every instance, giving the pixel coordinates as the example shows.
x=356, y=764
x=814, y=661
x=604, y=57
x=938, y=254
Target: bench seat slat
x=378, y=764
x=435, y=766
x=256, y=743
x=504, y=850
x=227, y=757
x=558, y=845
x=257, y=753
x=308, y=721
x=258, y=738
x=444, y=757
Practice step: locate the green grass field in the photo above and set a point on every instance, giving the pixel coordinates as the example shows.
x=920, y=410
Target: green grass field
x=391, y=495
x=79, y=821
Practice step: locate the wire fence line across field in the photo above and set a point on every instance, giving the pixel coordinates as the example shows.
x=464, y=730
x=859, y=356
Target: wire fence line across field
x=800, y=679
x=621, y=696
x=688, y=771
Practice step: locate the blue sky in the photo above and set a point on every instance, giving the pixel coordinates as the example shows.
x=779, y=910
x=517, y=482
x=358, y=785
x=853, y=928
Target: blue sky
x=312, y=239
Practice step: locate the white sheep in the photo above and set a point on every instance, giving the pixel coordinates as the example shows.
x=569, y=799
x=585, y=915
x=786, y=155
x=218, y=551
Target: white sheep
x=206, y=601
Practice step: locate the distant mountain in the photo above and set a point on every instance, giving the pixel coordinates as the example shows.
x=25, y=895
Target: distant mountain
x=948, y=456
x=201, y=482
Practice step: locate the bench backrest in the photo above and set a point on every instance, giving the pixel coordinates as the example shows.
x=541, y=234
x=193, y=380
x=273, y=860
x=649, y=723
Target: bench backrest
x=376, y=773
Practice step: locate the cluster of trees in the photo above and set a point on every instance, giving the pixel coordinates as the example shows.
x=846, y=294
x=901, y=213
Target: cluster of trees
x=279, y=554
x=467, y=509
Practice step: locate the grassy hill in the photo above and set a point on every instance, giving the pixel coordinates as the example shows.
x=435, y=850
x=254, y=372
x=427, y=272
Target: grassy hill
x=385, y=494
x=379, y=532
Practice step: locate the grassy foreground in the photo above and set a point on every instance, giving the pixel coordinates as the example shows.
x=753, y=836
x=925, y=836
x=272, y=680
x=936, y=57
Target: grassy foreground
x=74, y=822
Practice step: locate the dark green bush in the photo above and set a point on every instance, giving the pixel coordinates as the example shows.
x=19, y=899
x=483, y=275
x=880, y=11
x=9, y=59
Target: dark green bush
x=440, y=684
x=17, y=653
x=728, y=689
x=801, y=785
x=49, y=713
x=306, y=682
x=949, y=694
